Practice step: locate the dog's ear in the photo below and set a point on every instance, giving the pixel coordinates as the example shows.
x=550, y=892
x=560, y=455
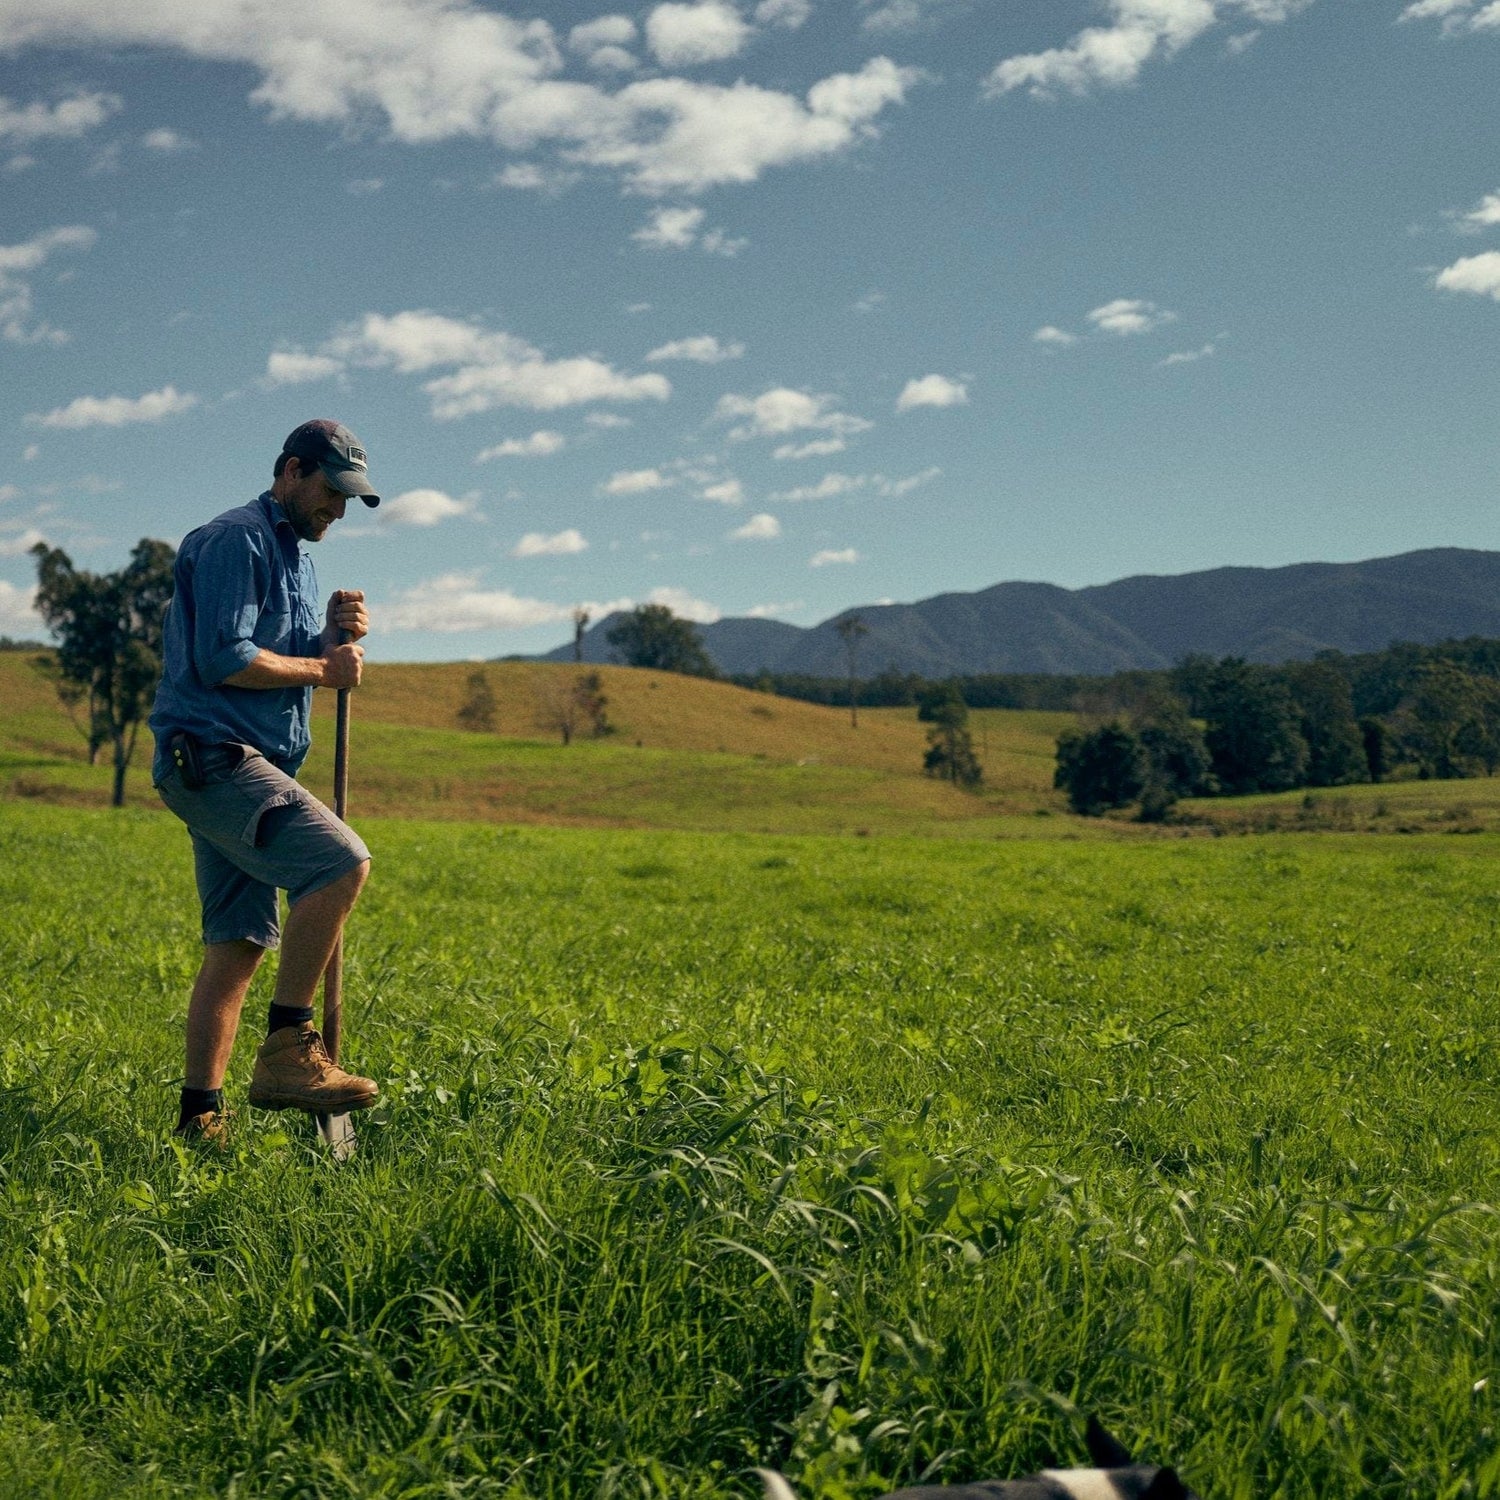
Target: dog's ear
x=1106, y=1452
x=776, y=1487
x=1167, y=1486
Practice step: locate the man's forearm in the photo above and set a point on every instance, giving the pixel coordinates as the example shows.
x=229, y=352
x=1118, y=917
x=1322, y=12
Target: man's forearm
x=269, y=670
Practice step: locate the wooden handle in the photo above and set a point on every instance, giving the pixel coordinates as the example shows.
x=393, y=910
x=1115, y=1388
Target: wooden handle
x=333, y=975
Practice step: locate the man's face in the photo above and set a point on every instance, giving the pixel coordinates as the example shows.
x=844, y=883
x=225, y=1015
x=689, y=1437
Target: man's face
x=311, y=504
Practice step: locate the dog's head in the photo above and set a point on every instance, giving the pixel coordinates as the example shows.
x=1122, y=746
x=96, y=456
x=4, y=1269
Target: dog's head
x=1116, y=1477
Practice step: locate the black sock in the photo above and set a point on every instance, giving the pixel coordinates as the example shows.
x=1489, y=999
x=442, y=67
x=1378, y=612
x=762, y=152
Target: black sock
x=197, y=1102
x=288, y=1015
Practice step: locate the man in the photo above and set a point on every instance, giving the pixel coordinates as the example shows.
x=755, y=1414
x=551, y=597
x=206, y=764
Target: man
x=244, y=647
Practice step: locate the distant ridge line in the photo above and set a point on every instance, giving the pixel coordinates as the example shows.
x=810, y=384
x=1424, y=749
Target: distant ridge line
x=1286, y=613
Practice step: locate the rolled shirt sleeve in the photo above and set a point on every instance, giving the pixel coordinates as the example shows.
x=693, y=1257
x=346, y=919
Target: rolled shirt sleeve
x=230, y=580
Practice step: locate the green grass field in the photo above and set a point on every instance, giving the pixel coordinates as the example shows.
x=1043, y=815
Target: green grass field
x=869, y=1158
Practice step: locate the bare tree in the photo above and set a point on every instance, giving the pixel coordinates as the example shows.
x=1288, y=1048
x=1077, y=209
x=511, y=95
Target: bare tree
x=851, y=628
x=565, y=706
x=581, y=618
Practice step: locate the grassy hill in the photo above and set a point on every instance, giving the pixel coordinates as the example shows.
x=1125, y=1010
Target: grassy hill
x=686, y=753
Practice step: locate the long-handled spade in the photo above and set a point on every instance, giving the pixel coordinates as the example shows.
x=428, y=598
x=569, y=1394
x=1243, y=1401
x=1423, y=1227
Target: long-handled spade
x=337, y=1131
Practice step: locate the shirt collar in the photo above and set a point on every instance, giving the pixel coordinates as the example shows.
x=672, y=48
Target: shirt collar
x=276, y=518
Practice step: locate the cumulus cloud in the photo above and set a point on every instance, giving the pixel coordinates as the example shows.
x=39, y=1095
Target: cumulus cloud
x=423, y=508
x=455, y=602
x=427, y=71
x=1129, y=315
x=18, y=614
x=560, y=544
x=19, y=545
x=24, y=124
x=604, y=43
x=490, y=369
x=116, y=411
x=1140, y=32
x=1487, y=214
x=167, y=142
x=17, y=263
x=1456, y=16
x=541, y=444
x=1188, y=356
x=829, y=557
x=816, y=448
x=932, y=390
x=761, y=528
x=704, y=349
x=685, y=606
x=685, y=35
x=770, y=611
x=1476, y=274
x=1056, y=338
x=781, y=411
x=788, y=13
x=681, y=229
x=832, y=485
x=635, y=482
x=293, y=367
x=724, y=492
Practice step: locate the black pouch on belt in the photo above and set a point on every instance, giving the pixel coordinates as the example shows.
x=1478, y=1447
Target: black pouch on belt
x=182, y=751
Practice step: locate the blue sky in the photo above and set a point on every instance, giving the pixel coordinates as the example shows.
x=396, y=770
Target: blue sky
x=752, y=306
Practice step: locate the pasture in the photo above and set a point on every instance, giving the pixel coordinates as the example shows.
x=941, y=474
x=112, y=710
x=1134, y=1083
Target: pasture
x=868, y=1158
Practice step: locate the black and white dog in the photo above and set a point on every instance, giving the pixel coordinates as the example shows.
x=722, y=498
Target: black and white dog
x=1117, y=1477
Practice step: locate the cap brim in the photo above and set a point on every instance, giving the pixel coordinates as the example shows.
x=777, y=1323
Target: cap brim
x=351, y=482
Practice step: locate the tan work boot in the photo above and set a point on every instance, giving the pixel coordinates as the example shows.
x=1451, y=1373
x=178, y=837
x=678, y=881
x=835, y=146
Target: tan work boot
x=293, y=1071
x=210, y=1129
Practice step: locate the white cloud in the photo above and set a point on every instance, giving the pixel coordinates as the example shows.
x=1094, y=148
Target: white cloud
x=635, y=482
x=725, y=492
x=1129, y=315
x=1457, y=16
x=167, y=142
x=21, y=124
x=18, y=617
x=454, y=602
x=427, y=71
x=604, y=43
x=1486, y=214
x=932, y=390
x=684, y=35
x=1478, y=274
x=761, y=528
x=671, y=228
x=423, y=508
x=782, y=411
x=770, y=611
x=607, y=419
x=895, y=488
x=17, y=546
x=704, y=349
x=1187, y=356
x=30, y=453
x=17, y=262
x=1056, y=338
x=526, y=176
x=493, y=369
x=1113, y=56
x=561, y=544
x=293, y=367
x=541, y=444
x=116, y=411
x=364, y=187
x=817, y=448
x=9, y=492
x=829, y=557
x=685, y=606
x=827, y=488
x=788, y=13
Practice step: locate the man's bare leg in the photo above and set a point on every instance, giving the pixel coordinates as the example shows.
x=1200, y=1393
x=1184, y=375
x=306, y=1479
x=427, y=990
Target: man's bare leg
x=213, y=1015
x=312, y=928
x=292, y=1069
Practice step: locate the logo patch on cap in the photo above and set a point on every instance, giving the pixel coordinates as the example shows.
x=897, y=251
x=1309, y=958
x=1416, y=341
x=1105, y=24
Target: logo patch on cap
x=357, y=457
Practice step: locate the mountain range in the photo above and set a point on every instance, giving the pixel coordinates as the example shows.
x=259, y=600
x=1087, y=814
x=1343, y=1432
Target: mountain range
x=1147, y=621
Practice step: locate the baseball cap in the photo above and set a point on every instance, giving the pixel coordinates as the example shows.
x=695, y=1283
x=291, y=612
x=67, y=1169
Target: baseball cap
x=337, y=452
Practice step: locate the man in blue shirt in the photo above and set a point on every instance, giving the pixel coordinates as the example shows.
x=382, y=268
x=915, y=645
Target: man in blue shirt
x=244, y=646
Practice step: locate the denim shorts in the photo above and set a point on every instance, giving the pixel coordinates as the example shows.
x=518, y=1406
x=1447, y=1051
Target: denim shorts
x=256, y=830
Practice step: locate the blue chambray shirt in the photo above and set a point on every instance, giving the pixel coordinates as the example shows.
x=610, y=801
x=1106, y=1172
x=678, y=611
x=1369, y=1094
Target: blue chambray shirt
x=241, y=583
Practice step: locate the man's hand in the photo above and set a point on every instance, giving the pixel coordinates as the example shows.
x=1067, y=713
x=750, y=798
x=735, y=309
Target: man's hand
x=343, y=666
x=346, y=614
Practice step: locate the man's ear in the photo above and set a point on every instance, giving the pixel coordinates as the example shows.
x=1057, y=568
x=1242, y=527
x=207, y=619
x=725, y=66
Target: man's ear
x=1107, y=1452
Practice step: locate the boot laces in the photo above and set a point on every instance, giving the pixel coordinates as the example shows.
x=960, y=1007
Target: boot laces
x=311, y=1042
